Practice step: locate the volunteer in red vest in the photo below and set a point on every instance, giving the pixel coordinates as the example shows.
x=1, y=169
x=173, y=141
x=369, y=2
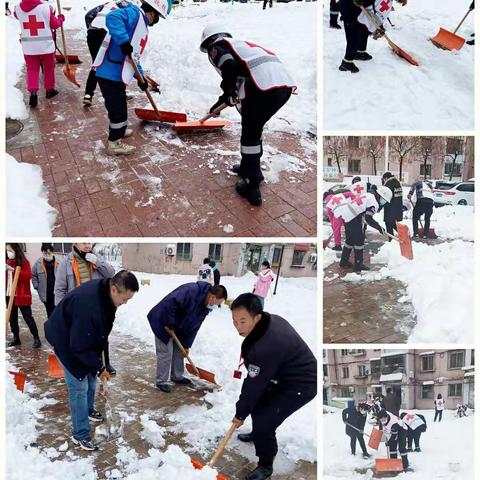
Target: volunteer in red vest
x=439, y=404
x=395, y=432
x=255, y=80
x=423, y=193
x=355, y=211
x=416, y=425
x=127, y=38
x=43, y=277
x=37, y=20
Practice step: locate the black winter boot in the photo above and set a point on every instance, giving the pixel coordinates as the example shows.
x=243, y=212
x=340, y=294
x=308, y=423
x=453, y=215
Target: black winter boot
x=245, y=437
x=359, y=265
x=334, y=21
x=363, y=56
x=260, y=473
x=250, y=190
x=344, y=261
x=33, y=102
x=236, y=169
x=16, y=341
x=51, y=93
x=348, y=67
x=36, y=342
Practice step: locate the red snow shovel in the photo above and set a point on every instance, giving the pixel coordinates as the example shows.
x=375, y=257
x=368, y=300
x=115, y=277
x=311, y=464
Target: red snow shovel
x=421, y=230
x=60, y=57
x=19, y=380
x=375, y=436
x=383, y=465
x=198, y=465
x=68, y=70
x=400, y=52
x=11, y=299
x=202, y=124
x=190, y=366
x=448, y=40
x=154, y=115
x=55, y=370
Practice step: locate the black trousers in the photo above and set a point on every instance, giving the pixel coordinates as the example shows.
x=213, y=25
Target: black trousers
x=27, y=316
x=353, y=442
x=257, y=109
x=399, y=443
x=265, y=3
x=273, y=408
x=115, y=97
x=438, y=414
x=94, y=41
x=334, y=7
x=391, y=227
x=422, y=207
x=49, y=306
x=357, y=38
x=355, y=233
x=414, y=436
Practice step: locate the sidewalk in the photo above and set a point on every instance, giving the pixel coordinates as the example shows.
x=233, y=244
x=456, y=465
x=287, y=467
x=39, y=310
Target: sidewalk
x=172, y=186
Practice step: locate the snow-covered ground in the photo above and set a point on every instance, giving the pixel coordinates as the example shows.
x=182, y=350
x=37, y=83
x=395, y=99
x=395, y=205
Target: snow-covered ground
x=445, y=446
x=388, y=92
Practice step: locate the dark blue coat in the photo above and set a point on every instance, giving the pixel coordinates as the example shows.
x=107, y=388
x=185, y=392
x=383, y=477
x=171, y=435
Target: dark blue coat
x=183, y=310
x=79, y=326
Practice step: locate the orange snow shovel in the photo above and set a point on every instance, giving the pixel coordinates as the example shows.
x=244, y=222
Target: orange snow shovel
x=19, y=380
x=327, y=241
x=154, y=115
x=400, y=52
x=383, y=465
x=198, y=465
x=404, y=240
x=11, y=299
x=68, y=70
x=54, y=368
x=448, y=40
x=190, y=366
x=202, y=124
x=72, y=59
x=375, y=436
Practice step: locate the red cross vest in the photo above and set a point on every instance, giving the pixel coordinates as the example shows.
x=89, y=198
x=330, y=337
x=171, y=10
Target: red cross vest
x=36, y=35
x=266, y=69
x=413, y=421
x=387, y=428
x=358, y=188
x=427, y=191
x=440, y=404
x=100, y=19
x=350, y=208
x=381, y=12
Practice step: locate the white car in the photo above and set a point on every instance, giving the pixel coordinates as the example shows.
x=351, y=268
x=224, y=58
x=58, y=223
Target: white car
x=462, y=193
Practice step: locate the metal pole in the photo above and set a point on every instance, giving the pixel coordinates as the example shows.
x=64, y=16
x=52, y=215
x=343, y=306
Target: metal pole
x=278, y=271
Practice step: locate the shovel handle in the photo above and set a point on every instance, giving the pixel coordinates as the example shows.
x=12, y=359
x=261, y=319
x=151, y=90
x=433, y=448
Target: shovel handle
x=184, y=352
x=374, y=21
x=11, y=300
x=222, y=445
x=214, y=113
x=461, y=23
x=63, y=37
x=142, y=79
x=393, y=237
x=357, y=429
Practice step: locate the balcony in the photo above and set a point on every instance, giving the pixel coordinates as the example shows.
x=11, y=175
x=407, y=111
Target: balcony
x=360, y=376
x=388, y=369
x=357, y=353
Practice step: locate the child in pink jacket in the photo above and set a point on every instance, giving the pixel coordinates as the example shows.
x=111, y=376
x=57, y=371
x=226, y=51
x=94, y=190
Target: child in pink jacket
x=262, y=285
x=37, y=20
x=336, y=223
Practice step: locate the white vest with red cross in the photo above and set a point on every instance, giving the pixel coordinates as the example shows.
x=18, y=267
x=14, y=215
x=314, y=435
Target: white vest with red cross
x=266, y=69
x=350, y=208
x=358, y=188
x=100, y=19
x=36, y=35
x=380, y=12
x=394, y=420
x=440, y=404
x=413, y=421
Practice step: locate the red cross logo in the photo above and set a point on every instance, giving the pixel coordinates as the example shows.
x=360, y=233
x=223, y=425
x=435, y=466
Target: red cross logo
x=143, y=44
x=254, y=45
x=113, y=8
x=33, y=25
x=336, y=200
x=410, y=417
x=358, y=200
x=385, y=5
x=359, y=189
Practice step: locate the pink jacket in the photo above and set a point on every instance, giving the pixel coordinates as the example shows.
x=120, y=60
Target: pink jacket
x=29, y=5
x=262, y=285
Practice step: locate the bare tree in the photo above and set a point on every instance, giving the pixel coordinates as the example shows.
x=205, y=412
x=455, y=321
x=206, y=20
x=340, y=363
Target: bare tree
x=338, y=147
x=424, y=148
x=375, y=147
x=402, y=146
x=457, y=151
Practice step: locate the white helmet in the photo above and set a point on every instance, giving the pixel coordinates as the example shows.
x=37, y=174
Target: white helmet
x=163, y=7
x=385, y=193
x=211, y=30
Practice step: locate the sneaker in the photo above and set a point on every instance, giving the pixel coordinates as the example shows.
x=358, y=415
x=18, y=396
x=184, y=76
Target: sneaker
x=87, y=100
x=95, y=416
x=16, y=341
x=415, y=235
x=117, y=147
x=418, y=450
x=164, y=387
x=128, y=133
x=348, y=67
x=245, y=437
x=359, y=267
x=86, y=444
x=250, y=191
x=33, y=102
x=363, y=56
x=36, y=342
x=51, y=93
x=110, y=370
x=182, y=381
x=409, y=449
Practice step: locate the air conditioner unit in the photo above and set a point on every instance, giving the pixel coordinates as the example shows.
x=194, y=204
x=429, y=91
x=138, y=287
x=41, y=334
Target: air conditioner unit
x=351, y=389
x=313, y=258
x=171, y=250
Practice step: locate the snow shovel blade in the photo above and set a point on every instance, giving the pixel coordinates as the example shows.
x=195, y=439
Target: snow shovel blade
x=54, y=368
x=402, y=53
x=203, y=374
x=151, y=116
x=69, y=72
x=201, y=126
x=72, y=59
x=431, y=232
x=199, y=465
x=375, y=438
x=447, y=40
x=19, y=380
x=405, y=241
x=388, y=465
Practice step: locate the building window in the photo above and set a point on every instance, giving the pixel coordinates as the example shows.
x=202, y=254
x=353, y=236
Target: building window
x=361, y=393
x=325, y=370
x=298, y=257
x=455, y=390
x=455, y=170
x=345, y=372
x=215, y=252
x=62, y=248
x=428, y=169
x=353, y=166
x=345, y=392
x=184, y=251
x=362, y=371
x=454, y=146
x=456, y=359
x=343, y=352
x=427, y=392
x=277, y=253
x=375, y=367
x=472, y=361
x=393, y=364
x=427, y=363
x=329, y=162
x=354, y=142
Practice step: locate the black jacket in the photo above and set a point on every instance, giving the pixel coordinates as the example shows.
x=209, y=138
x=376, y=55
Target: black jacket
x=79, y=326
x=355, y=419
x=393, y=211
x=392, y=404
x=274, y=353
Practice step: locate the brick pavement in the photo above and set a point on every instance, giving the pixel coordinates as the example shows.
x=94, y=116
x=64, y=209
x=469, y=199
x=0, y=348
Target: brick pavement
x=172, y=186
x=132, y=391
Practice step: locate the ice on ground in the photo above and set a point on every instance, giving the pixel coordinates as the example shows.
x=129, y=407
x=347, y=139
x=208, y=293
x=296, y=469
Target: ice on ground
x=27, y=199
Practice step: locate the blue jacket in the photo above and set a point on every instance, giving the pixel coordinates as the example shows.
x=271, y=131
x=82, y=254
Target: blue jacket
x=121, y=25
x=79, y=326
x=183, y=310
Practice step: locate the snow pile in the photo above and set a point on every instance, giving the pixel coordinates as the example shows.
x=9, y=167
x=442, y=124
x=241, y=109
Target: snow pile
x=454, y=222
x=329, y=257
x=388, y=92
x=27, y=198
x=152, y=432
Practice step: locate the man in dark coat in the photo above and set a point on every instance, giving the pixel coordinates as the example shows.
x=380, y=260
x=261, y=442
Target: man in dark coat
x=183, y=311
x=282, y=377
x=354, y=417
x=392, y=402
x=393, y=211
x=78, y=330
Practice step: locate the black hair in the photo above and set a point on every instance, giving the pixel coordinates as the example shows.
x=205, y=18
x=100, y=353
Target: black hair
x=389, y=390
x=207, y=43
x=249, y=302
x=147, y=7
x=439, y=396
x=403, y=414
x=266, y=263
x=125, y=280
x=19, y=254
x=327, y=193
x=387, y=175
x=212, y=263
x=206, y=260
x=46, y=246
x=356, y=179
x=219, y=291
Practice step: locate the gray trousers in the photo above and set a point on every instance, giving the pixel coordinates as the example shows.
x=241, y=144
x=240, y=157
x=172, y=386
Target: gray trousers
x=169, y=361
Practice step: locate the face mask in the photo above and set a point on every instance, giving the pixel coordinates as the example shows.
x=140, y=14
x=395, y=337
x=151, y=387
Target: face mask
x=211, y=307
x=382, y=201
x=48, y=258
x=10, y=255
x=383, y=421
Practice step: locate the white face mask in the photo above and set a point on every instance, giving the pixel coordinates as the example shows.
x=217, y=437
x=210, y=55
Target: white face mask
x=10, y=255
x=384, y=421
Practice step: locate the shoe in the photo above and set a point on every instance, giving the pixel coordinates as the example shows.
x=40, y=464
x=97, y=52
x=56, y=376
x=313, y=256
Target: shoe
x=260, y=473
x=96, y=416
x=471, y=42
x=128, y=133
x=117, y=147
x=409, y=449
x=359, y=265
x=33, y=102
x=164, y=387
x=16, y=341
x=418, y=450
x=85, y=444
x=344, y=261
x=110, y=370
x=363, y=56
x=250, y=191
x=366, y=455
x=51, y=93
x=334, y=21
x=183, y=381
x=236, y=168
x=87, y=100
x=245, y=437
x=415, y=235
x=348, y=67
x=337, y=248
x=36, y=342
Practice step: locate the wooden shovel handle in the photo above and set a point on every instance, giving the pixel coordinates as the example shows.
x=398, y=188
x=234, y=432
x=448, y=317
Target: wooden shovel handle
x=11, y=300
x=63, y=37
x=374, y=21
x=142, y=79
x=214, y=113
x=222, y=445
x=184, y=352
x=393, y=237
x=357, y=429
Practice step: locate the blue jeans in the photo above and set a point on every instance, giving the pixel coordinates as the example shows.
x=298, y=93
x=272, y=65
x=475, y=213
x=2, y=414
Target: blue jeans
x=81, y=395
x=262, y=300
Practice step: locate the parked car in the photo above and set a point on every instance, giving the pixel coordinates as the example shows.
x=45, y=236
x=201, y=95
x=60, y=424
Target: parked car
x=462, y=193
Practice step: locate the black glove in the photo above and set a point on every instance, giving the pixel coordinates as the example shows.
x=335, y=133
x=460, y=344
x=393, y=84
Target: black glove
x=126, y=49
x=378, y=33
x=229, y=99
x=142, y=85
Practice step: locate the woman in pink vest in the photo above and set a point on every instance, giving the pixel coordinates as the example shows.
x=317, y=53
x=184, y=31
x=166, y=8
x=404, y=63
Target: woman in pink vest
x=264, y=279
x=37, y=20
x=439, y=408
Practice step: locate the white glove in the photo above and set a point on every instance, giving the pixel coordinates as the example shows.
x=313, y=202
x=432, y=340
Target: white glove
x=91, y=257
x=8, y=268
